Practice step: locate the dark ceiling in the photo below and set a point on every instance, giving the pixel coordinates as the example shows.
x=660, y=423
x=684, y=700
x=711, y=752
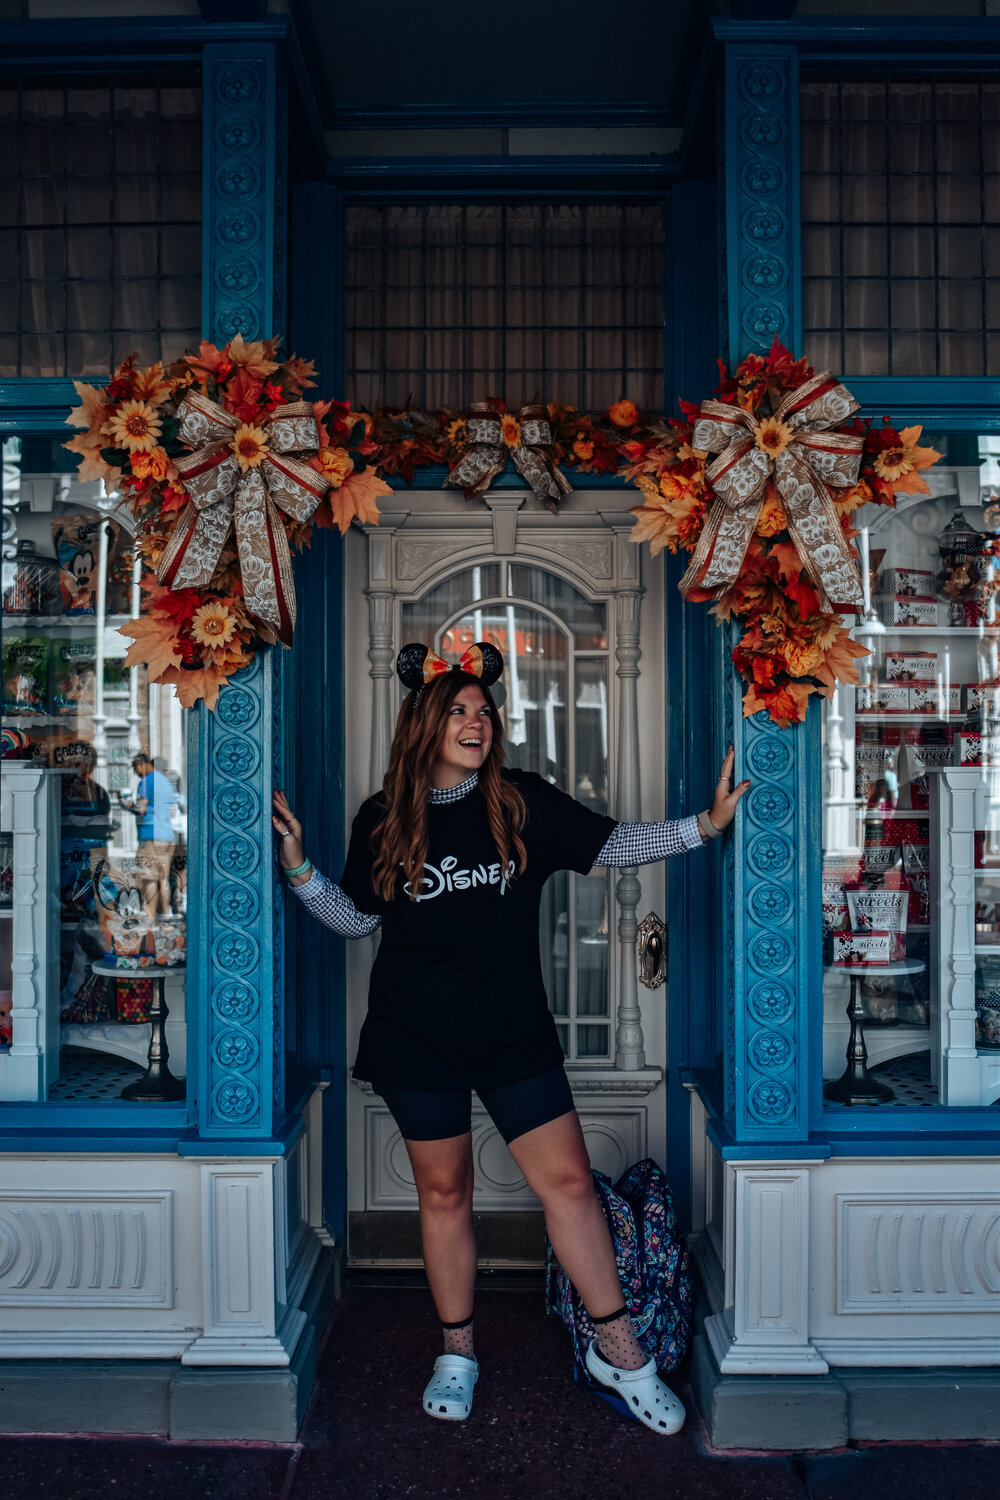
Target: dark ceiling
x=447, y=59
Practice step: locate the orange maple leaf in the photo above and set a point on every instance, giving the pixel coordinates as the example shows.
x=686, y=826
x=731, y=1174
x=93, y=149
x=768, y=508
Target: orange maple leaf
x=656, y=525
x=91, y=413
x=356, y=497
x=910, y=484
x=93, y=465
x=193, y=683
x=154, y=646
x=786, y=705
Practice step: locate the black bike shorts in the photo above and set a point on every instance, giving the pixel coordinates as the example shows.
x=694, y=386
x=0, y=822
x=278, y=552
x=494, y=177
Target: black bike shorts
x=515, y=1108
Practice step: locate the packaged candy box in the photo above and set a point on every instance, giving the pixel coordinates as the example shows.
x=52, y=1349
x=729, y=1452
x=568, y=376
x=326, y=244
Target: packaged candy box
x=862, y=950
x=976, y=749
x=983, y=697
x=910, y=666
x=905, y=583
x=933, y=698
x=903, y=610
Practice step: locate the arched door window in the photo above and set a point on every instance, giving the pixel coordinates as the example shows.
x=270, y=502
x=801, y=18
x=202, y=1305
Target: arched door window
x=554, y=706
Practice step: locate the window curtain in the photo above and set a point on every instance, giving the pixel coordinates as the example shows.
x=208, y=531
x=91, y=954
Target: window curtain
x=100, y=236
x=449, y=303
x=901, y=225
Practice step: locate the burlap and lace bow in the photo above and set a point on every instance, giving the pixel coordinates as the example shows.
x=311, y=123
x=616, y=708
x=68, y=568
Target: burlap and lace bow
x=486, y=455
x=240, y=477
x=797, y=450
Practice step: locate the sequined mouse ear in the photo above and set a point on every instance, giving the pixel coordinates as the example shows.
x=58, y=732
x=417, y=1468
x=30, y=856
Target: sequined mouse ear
x=410, y=664
x=484, y=661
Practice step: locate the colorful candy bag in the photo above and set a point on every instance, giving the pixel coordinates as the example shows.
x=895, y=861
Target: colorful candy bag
x=76, y=540
x=26, y=675
x=72, y=675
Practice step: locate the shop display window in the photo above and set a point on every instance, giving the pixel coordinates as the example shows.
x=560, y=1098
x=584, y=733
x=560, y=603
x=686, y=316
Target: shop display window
x=911, y=808
x=94, y=845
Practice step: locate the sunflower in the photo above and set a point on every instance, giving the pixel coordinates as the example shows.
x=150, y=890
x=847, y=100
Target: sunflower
x=511, y=430
x=773, y=436
x=457, y=432
x=135, y=426
x=212, y=625
x=249, y=443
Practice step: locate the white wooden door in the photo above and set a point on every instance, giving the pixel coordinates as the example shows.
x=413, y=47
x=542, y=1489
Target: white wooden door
x=583, y=690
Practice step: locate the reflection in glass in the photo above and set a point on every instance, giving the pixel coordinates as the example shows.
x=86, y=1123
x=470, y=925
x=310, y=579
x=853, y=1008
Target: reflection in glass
x=114, y=749
x=915, y=741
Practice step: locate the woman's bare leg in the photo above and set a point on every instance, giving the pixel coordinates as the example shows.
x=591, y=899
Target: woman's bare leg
x=443, y=1173
x=555, y=1164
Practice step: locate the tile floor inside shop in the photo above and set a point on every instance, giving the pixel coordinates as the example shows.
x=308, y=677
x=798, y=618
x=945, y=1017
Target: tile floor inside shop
x=531, y=1431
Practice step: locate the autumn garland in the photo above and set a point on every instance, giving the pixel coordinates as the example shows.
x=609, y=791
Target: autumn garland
x=790, y=647
x=196, y=638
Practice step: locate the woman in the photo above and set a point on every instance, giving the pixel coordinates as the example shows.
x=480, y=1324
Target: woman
x=450, y=859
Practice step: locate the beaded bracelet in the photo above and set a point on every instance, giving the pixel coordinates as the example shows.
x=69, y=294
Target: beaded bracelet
x=299, y=870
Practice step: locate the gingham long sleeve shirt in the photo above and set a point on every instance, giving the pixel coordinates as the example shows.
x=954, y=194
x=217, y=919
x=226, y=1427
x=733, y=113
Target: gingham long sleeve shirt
x=629, y=844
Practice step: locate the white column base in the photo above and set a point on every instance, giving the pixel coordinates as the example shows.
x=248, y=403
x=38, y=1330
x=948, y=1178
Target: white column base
x=759, y=1359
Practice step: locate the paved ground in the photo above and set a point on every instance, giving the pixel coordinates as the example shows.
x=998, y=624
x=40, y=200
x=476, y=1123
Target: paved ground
x=532, y=1436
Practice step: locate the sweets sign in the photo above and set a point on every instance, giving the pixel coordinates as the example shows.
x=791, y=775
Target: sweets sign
x=768, y=521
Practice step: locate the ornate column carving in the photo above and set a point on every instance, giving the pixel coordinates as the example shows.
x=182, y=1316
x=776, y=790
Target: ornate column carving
x=629, y=1050
x=235, y=979
x=763, y=273
x=30, y=798
x=381, y=651
x=770, y=865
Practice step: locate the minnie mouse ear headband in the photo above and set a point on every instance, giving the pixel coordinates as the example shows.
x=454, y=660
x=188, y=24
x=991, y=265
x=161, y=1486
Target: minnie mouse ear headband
x=416, y=665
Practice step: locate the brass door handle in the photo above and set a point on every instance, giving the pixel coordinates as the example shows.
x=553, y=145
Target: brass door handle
x=652, y=951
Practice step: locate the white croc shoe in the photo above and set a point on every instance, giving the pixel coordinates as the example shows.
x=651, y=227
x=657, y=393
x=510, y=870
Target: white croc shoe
x=448, y=1394
x=649, y=1400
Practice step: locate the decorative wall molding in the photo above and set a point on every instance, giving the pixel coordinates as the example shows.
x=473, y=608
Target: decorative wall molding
x=238, y=978
x=922, y=1253
x=78, y=1248
x=615, y=1138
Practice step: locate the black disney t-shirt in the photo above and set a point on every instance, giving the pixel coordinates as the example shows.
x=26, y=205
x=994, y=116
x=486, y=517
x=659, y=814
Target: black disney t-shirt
x=456, y=998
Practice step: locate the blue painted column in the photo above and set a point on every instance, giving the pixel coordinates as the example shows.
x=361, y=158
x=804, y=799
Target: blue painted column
x=769, y=869
x=235, y=977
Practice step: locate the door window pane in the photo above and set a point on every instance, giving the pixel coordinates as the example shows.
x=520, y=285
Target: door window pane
x=553, y=698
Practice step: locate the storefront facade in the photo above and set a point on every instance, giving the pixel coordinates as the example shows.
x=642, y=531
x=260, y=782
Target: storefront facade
x=847, y=1253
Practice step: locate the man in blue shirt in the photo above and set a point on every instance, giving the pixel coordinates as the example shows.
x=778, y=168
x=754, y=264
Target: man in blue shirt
x=153, y=805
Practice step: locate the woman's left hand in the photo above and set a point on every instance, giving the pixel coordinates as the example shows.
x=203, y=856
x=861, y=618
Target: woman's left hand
x=727, y=797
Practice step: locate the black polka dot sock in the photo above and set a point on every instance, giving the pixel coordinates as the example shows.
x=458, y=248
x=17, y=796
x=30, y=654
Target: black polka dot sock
x=616, y=1341
x=458, y=1338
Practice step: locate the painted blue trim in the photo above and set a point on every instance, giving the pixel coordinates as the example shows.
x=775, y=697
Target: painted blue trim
x=423, y=177
x=941, y=403
x=588, y=114
x=125, y=1121
x=898, y=35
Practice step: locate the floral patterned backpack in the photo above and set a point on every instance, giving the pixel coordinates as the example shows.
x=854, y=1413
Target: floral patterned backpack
x=653, y=1264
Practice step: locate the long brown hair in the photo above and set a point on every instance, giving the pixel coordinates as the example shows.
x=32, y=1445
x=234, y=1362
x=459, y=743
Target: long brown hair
x=401, y=837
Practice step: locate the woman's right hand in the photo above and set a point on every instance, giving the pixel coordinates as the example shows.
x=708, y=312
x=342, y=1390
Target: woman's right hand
x=290, y=852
